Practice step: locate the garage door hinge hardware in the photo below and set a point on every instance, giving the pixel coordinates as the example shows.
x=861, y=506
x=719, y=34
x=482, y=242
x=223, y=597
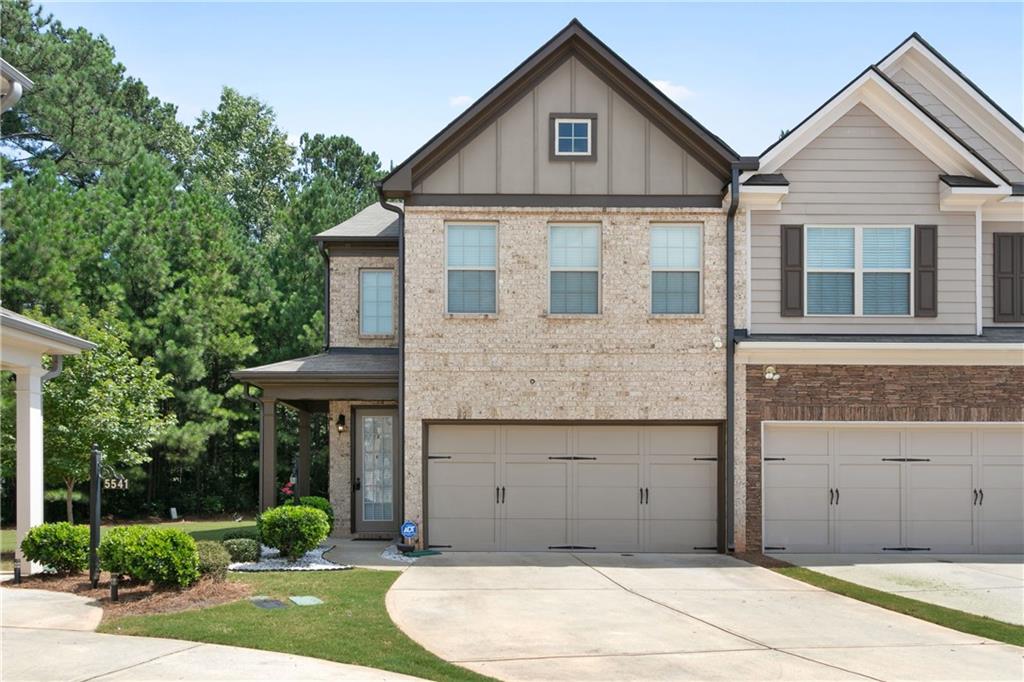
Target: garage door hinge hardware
x=774, y=459
x=439, y=456
x=906, y=549
x=705, y=459
x=906, y=459
x=572, y=458
x=772, y=549
x=702, y=548
x=570, y=547
x=439, y=546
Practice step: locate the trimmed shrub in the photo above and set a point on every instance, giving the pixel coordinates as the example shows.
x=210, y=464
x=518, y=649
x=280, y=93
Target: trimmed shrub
x=166, y=556
x=213, y=559
x=242, y=549
x=120, y=549
x=323, y=505
x=293, y=530
x=61, y=546
x=246, y=533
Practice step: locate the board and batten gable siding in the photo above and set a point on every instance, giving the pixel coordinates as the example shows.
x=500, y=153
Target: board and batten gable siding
x=935, y=106
x=861, y=172
x=512, y=154
x=989, y=228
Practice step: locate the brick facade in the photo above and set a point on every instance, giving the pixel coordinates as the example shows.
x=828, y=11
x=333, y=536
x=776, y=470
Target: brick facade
x=870, y=393
x=345, y=299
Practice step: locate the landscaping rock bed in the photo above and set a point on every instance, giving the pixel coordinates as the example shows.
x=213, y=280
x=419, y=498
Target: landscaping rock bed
x=271, y=560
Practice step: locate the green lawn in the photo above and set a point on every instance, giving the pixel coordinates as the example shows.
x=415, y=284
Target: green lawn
x=970, y=623
x=200, y=530
x=351, y=626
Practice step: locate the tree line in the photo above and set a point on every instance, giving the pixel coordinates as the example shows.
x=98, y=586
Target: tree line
x=184, y=250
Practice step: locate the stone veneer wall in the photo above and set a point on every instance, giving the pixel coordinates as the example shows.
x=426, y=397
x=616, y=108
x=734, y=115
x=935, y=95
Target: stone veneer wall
x=345, y=299
x=871, y=393
x=522, y=364
x=339, y=462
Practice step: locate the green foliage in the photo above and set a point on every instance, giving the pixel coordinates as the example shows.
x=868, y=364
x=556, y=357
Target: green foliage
x=322, y=504
x=120, y=551
x=61, y=546
x=294, y=530
x=213, y=559
x=243, y=533
x=166, y=556
x=242, y=549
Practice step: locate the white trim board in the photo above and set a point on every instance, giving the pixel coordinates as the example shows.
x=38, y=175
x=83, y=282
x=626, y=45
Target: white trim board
x=874, y=353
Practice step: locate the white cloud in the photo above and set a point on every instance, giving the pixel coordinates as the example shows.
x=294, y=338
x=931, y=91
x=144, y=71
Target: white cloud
x=673, y=90
x=459, y=101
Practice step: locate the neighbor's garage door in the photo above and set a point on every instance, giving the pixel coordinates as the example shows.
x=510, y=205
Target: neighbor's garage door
x=894, y=488
x=601, y=488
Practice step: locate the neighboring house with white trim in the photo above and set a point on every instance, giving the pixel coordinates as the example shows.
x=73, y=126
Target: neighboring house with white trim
x=529, y=345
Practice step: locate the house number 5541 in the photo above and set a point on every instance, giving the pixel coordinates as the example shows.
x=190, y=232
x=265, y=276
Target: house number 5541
x=115, y=484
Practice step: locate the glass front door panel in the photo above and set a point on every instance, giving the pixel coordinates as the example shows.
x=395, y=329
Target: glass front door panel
x=378, y=468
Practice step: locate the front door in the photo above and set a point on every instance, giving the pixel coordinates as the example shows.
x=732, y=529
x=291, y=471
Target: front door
x=376, y=479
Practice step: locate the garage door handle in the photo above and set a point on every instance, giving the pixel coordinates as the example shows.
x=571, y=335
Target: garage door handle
x=975, y=497
x=981, y=497
x=837, y=495
x=497, y=494
x=831, y=495
x=503, y=494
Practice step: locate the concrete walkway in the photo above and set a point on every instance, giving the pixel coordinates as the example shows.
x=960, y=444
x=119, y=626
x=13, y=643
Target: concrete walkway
x=668, y=617
x=988, y=585
x=49, y=636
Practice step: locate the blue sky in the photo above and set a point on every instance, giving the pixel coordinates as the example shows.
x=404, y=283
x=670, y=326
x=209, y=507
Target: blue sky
x=392, y=75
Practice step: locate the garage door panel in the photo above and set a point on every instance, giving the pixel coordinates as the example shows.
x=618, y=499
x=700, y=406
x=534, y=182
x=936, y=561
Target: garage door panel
x=608, y=440
x=881, y=442
x=461, y=501
x=868, y=536
x=786, y=442
x=939, y=442
x=453, y=440
x=682, y=475
x=462, y=473
x=536, y=474
x=681, y=503
x=701, y=441
x=941, y=535
x=608, y=503
x=608, y=534
x=798, y=535
x=793, y=474
x=867, y=513
x=1007, y=442
x=796, y=504
x=470, y=535
x=537, y=440
x=536, y=534
x=680, y=536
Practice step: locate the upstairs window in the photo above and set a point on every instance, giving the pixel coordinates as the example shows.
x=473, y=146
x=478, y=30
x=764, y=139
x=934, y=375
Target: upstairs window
x=858, y=270
x=574, y=261
x=471, y=261
x=675, y=269
x=376, y=303
x=572, y=136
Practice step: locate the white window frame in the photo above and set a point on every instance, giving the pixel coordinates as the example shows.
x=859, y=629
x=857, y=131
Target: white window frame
x=699, y=269
x=858, y=270
x=600, y=262
x=448, y=268
x=370, y=335
x=590, y=136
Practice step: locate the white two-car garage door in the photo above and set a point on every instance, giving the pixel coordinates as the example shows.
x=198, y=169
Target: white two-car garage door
x=601, y=488
x=894, y=488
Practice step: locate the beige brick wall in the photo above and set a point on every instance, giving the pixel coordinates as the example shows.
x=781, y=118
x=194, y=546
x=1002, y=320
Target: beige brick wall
x=345, y=299
x=522, y=364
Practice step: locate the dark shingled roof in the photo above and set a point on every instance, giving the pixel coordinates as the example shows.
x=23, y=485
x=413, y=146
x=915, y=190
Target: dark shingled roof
x=774, y=179
x=335, y=363
x=989, y=335
x=965, y=181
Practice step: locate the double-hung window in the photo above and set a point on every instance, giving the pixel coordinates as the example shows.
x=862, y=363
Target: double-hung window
x=574, y=261
x=471, y=261
x=675, y=269
x=375, y=303
x=858, y=270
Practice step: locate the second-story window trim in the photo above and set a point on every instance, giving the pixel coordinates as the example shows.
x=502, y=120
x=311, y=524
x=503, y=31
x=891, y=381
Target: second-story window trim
x=574, y=269
x=471, y=269
x=376, y=302
x=677, y=268
x=852, y=285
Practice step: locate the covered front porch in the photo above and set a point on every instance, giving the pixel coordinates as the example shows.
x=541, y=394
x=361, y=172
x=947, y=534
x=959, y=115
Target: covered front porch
x=356, y=389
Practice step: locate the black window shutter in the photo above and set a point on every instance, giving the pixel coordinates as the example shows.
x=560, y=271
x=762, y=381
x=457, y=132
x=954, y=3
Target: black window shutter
x=792, y=262
x=926, y=271
x=1008, y=277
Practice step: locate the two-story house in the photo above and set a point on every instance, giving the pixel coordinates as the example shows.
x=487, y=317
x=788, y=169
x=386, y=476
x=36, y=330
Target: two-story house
x=579, y=320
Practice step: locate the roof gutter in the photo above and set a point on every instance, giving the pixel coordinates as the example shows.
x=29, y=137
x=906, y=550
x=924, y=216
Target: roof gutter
x=401, y=314
x=726, y=539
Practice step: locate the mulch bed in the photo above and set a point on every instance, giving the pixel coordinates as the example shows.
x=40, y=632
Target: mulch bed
x=137, y=599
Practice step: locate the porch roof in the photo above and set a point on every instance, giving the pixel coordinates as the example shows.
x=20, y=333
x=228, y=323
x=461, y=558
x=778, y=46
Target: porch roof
x=335, y=365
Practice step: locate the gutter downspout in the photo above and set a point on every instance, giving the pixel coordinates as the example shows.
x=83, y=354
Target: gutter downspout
x=401, y=325
x=327, y=296
x=55, y=370
x=746, y=163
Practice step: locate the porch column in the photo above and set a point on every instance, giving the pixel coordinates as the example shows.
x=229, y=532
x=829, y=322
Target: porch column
x=29, y=434
x=302, y=471
x=268, y=453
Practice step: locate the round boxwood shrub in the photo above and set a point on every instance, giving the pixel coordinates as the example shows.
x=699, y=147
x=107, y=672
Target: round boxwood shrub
x=167, y=556
x=242, y=549
x=247, y=533
x=294, y=530
x=323, y=505
x=213, y=559
x=120, y=551
x=61, y=546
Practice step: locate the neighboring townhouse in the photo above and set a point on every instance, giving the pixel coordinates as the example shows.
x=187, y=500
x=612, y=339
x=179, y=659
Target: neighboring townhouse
x=528, y=342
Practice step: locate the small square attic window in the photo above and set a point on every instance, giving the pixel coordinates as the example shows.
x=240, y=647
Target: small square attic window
x=572, y=136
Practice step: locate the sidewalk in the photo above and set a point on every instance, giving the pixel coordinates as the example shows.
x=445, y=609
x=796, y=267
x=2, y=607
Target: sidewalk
x=49, y=636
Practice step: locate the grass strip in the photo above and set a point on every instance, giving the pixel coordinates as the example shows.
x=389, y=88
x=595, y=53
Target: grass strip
x=972, y=624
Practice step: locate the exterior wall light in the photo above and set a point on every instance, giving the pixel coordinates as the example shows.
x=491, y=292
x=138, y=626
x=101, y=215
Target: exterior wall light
x=716, y=343
x=771, y=374
x=340, y=424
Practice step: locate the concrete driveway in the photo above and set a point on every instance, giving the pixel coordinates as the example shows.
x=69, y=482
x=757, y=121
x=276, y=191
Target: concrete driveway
x=668, y=617
x=988, y=585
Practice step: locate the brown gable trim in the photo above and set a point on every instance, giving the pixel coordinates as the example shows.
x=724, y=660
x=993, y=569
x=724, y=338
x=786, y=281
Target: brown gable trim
x=569, y=200
x=573, y=40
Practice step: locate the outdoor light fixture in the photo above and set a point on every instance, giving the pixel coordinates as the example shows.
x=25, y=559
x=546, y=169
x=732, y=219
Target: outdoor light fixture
x=771, y=374
x=716, y=343
x=340, y=424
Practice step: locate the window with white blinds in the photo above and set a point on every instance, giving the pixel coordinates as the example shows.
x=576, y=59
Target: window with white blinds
x=676, y=256
x=858, y=270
